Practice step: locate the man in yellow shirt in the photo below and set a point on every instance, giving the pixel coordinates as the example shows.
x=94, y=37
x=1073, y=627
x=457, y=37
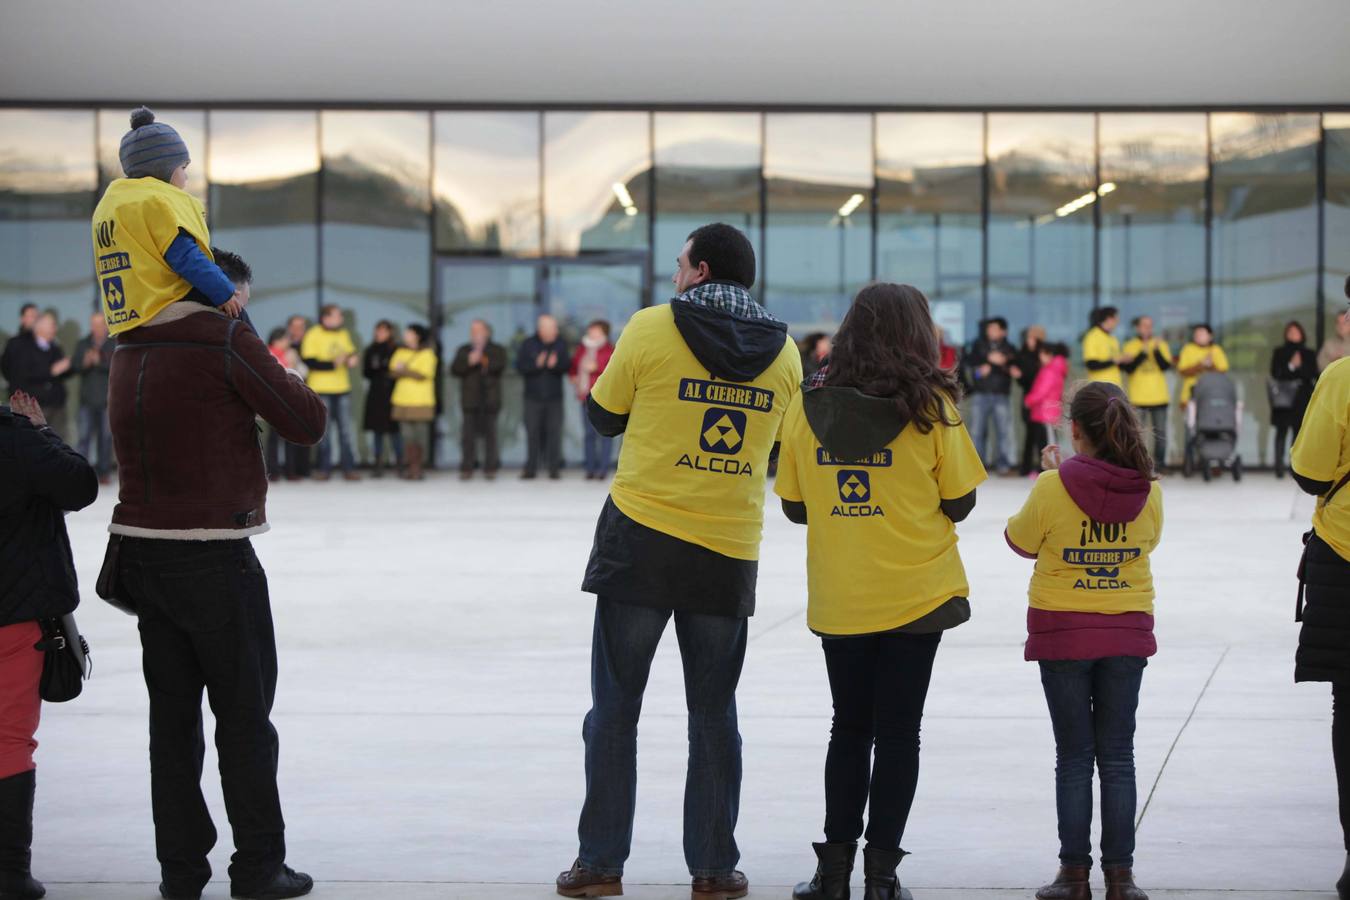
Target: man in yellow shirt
x=1321, y=466
x=698, y=387
x=1200, y=356
x=329, y=354
x=1148, y=358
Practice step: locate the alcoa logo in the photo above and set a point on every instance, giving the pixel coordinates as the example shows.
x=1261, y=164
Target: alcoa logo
x=723, y=431
x=855, y=492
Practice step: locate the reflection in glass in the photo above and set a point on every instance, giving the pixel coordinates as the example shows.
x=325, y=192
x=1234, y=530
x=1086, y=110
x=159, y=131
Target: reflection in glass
x=1042, y=170
x=1153, y=223
x=1336, y=239
x=190, y=125
x=487, y=182
x=707, y=170
x=597, y=181
x=929, y=229
x=48, y=176
x=818, y=174
x=264, y=205
x=1264, y=244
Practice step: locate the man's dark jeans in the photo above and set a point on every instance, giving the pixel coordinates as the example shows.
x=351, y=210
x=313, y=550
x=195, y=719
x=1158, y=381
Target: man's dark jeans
x=713, y=650
x=543, y=435
x=1092, y=706
x=95, y=435
x=479, y=425
x=879, y=683
x=206, y=623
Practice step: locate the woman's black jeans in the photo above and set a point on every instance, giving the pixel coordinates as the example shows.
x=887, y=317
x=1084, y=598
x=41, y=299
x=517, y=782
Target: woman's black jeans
x=879, y=683
x=1092, y=708
x=1340, y=751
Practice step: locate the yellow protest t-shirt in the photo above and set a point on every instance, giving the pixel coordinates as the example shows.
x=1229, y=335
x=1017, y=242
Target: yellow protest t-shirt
x=331, y=346
x=1083, y=565
x=880, y=553
x=1322, y=453
x=696, y=449
x=1098, y=346
x=1192, y=355
x=133, y=225
x=414, y=391
x=1148, y=384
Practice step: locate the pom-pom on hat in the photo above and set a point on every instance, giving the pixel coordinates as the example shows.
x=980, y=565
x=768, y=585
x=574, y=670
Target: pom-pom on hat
x=151, y=148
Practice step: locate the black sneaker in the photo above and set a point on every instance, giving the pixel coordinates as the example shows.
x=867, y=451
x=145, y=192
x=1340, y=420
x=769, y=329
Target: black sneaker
x=169, y=893
x=286, y=883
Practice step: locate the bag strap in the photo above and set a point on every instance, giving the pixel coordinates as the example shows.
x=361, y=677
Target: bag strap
x=1326, y=498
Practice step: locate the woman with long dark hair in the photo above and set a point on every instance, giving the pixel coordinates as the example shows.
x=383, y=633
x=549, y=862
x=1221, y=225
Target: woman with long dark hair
x=379, y=415
x=1293, y=372
x=876, y=462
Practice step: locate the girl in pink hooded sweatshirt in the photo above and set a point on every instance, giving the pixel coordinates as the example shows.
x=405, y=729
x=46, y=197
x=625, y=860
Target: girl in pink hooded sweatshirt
x=1091, y=523
x=1045, y=400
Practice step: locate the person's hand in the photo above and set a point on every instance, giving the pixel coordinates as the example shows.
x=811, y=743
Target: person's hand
x=984, y=370
x=24, y=405
x=350, y=361
x=1296, y=361
x=1208, y=362
x=541, y=361
x=1016, y=372
x=61, y=366
x=552, y=360
x=997, y=358
x=91, y=358
x=475, y=357
x=1050, y=458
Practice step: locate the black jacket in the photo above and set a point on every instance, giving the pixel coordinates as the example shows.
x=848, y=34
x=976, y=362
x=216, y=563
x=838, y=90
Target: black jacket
x=543, y=382
x=640, y=566
x=40, y=479
x=29, y=369
x=479, y=390
x=999, y=379
x=378, y=416
x=1305, y=375
x=94, y=379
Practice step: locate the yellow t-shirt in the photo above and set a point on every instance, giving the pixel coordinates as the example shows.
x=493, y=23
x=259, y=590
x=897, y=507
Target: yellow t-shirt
x=414, y=391
x=328, y=346
x=1191, y=355
x=1322, y=452
x=1148, y=384
x=1098, y=346
x=879, y=551
x=1083, y=565
x=696, y=449
x=133, y=225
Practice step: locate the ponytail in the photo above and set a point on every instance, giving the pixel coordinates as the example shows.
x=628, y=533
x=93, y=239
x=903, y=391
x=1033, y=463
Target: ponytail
x=1107, y=419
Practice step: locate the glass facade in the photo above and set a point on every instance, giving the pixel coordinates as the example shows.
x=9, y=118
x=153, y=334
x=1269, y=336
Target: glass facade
x=441, y=216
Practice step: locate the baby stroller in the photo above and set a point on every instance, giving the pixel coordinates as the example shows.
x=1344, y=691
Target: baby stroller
x=1213, y=419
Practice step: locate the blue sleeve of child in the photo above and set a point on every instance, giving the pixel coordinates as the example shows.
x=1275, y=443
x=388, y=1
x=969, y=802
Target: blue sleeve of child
x=188, y=260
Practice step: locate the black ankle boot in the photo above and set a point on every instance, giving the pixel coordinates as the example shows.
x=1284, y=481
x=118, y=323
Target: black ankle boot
x=16, y=838
x=1343, y=886
x=833, y=868
x=285, y=884
x=879, y=871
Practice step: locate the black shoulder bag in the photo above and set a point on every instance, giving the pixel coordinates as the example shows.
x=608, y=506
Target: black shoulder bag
x=1307, y=538
x=66, y=661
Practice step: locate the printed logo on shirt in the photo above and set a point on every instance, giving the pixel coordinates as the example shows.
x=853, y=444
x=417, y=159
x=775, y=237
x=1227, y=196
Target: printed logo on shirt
x=1101, y=564
x=113, y=262
x=855, y=495
x=741, y=396
x=113, y=295
x=882, y=458
x=723, y=431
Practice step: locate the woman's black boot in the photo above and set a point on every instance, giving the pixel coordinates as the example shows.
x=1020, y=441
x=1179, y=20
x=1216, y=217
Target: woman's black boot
x=16, y=838
x=879, y=870
x=833, y=867
x=1343, y=886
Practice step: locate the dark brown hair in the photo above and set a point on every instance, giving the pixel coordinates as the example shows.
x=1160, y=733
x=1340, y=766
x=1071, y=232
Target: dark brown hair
x=1108, y=421
x=887, y=347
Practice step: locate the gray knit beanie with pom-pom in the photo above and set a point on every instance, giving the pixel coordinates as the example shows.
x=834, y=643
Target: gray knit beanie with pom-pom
x=151, y=148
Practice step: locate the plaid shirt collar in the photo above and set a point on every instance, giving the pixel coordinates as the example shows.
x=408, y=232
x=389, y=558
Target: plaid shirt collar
x=726, y=297
x=818, y=378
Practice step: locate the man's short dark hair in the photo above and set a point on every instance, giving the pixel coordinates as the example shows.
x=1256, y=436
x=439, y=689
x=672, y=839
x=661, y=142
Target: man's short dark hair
x=233, y=265
x=994, y=320
x=276, y=334
x=727, y=252
x=27, y=306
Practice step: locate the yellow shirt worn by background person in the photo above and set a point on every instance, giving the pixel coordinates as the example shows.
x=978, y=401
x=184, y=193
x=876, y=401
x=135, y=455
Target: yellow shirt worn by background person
x=414, y=391
x=1148, y=384
x=331, y=346
x=1098, y=346
x=693, y=457
x=1083, y=565
x=880, y=553
x=133, y=226
x=1191, y=355
x=1322, y=453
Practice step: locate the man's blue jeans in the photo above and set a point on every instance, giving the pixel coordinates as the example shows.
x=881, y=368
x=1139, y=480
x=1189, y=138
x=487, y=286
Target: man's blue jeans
x=713, y=650
x=1092, y=706
x=95, y=434
x=983, y=408
x=339, y=423
x=598, y=447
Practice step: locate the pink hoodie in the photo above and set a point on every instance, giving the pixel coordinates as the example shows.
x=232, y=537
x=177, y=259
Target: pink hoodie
x=1045, y=400
x=1108, y=493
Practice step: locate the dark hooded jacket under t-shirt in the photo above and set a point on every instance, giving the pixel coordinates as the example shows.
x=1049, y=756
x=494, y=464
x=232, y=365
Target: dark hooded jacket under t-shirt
x=698, y=387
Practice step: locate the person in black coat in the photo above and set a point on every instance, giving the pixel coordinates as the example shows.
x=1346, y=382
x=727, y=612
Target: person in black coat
x=544, y=361
x=479, y=365
x=39, y=367
x=1293, y=372
x=40, y=479
x=378, y=418
x=1026, y=366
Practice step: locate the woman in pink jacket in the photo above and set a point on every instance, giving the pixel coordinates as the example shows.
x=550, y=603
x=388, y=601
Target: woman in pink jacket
x=1045, y=400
